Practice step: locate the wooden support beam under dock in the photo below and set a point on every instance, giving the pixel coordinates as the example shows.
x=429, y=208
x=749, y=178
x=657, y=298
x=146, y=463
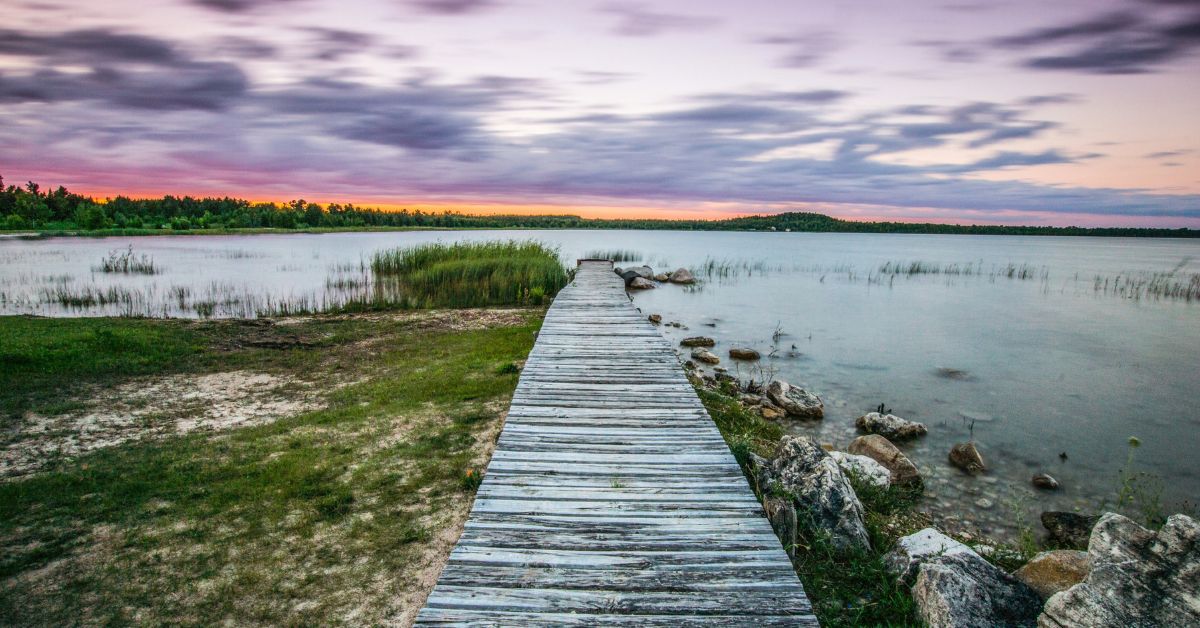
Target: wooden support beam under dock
x=611, y=498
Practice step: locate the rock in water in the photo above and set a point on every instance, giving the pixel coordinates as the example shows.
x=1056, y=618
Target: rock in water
x=964, y=589
x=822, y=495
x=655, y=318
x=662, y=277
x=914, y=549
x=1051, y=572
x=682, y=275
x=1068, y=528
x=795, y=401
x=645, y=272
x=862, y=467
x=698, y=341
x=701, y=354
x=882, y=450
x=889, y=426
x=637, y=283
x=1045, y=481
x=966, y=457
x=744, y=353
x=1138, y=577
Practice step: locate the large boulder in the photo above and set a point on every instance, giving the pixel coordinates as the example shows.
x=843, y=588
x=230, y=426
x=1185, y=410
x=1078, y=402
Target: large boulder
x=795, y=401
x=911, y=551
x=889, y=426
x=1069, y=529
x=966, y=456
x=1054, y=571
x=645, y=272
x=823, y=497
x=700, y=354
x=863, y=468
x=641, y=284
x=1138, y=577
x=698, y=341
x=744, y=353
x=882, y=450
x=683, y=276
x=964, y=589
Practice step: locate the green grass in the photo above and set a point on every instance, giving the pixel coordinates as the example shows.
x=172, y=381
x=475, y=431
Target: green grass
x=616, y=255
x=846, y=588
x=314, y=519
x=469, y=274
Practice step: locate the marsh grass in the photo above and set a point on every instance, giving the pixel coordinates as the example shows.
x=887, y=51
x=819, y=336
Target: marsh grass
x=127, y=262
x=616, y=255
x=317, y=519
x=467, y=274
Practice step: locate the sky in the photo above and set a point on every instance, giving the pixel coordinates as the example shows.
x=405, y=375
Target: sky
x=1010, y=112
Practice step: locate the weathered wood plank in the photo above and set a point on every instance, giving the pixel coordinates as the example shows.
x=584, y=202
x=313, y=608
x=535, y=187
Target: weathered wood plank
x=611, y=498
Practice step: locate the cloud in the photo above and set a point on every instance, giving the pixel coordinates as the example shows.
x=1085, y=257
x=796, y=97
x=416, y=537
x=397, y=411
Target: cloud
x=1166, y=154
x=1052, y=99
x=635, y=20
x=804, y=50
x=812, y=96
x=237, y=6
x=452, y=7
x=331, y=44
x=1112, y=43
x=131, y=71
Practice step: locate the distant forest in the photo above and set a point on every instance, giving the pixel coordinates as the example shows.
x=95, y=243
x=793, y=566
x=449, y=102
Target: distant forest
x=31, y=208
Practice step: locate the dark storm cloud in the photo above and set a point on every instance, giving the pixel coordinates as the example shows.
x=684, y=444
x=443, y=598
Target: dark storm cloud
x=803, y=50
x=452, y=7
x=1113, y=43
x=637, y=20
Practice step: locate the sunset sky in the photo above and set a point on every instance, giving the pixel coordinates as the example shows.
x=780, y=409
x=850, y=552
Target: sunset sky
x=1024, y=111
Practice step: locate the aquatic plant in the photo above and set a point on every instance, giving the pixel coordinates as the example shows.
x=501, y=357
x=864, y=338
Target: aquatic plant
x=125, y=261
x=616, y=255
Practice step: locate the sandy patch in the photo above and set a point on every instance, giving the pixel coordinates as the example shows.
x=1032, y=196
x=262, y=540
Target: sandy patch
x=155, y=407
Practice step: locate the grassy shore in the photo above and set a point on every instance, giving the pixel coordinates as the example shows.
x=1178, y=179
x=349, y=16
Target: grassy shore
x=337, y=510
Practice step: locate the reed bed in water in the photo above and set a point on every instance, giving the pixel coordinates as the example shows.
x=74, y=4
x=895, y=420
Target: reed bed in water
x=467, y=274
x=126, y=262
x=616, y=255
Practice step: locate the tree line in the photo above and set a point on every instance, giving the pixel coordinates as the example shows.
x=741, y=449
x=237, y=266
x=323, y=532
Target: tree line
x=29, y=207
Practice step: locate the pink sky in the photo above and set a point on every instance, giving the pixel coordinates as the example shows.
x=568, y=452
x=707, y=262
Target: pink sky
x=952, y=111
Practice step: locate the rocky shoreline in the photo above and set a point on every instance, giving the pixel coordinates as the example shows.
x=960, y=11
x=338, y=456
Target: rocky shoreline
x=1101, y=569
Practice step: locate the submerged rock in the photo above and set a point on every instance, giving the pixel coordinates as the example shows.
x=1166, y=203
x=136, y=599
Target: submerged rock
x=882, y=450
x=637, y=283
x=964, y=589
x=966, y=456
x=914, y=549
x=697, y=341
x=949, y=373
x=744, y=353
x=1068, y=528
x=1138, y=577
x=1051, y=572
x=889, y=426
x=1045, y=481
x=822, y=495
x=683, y=276
x=795, y=401
x=862, y=467
x=704, y=355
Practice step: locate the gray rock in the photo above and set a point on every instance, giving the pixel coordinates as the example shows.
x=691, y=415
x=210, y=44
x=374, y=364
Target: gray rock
x=1068, y=528
x=701, y=354
x=662, y=277
x=744, y=353
x=823, y=497
x=1045, y=481
x=864, y=468
x=781, y=512
x=637, y=283
x=697, y=341
x=889, y=426
x=1138, y=577
x=914, y=549
x=683, y=276
x=882, y=450
x=795, y=401
x=645, y=272
x=1054, y=571
x=963, y=589
x=966, y=456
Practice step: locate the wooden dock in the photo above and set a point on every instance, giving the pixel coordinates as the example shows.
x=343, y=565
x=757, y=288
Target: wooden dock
x=611, y=498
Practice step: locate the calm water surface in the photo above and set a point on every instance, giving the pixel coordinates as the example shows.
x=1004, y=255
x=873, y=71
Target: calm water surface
x=1053, y=363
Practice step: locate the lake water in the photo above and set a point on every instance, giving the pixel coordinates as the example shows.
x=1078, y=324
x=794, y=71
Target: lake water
x=1063, y=345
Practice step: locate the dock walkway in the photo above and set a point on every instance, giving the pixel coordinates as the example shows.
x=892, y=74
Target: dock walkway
x=611, y=498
